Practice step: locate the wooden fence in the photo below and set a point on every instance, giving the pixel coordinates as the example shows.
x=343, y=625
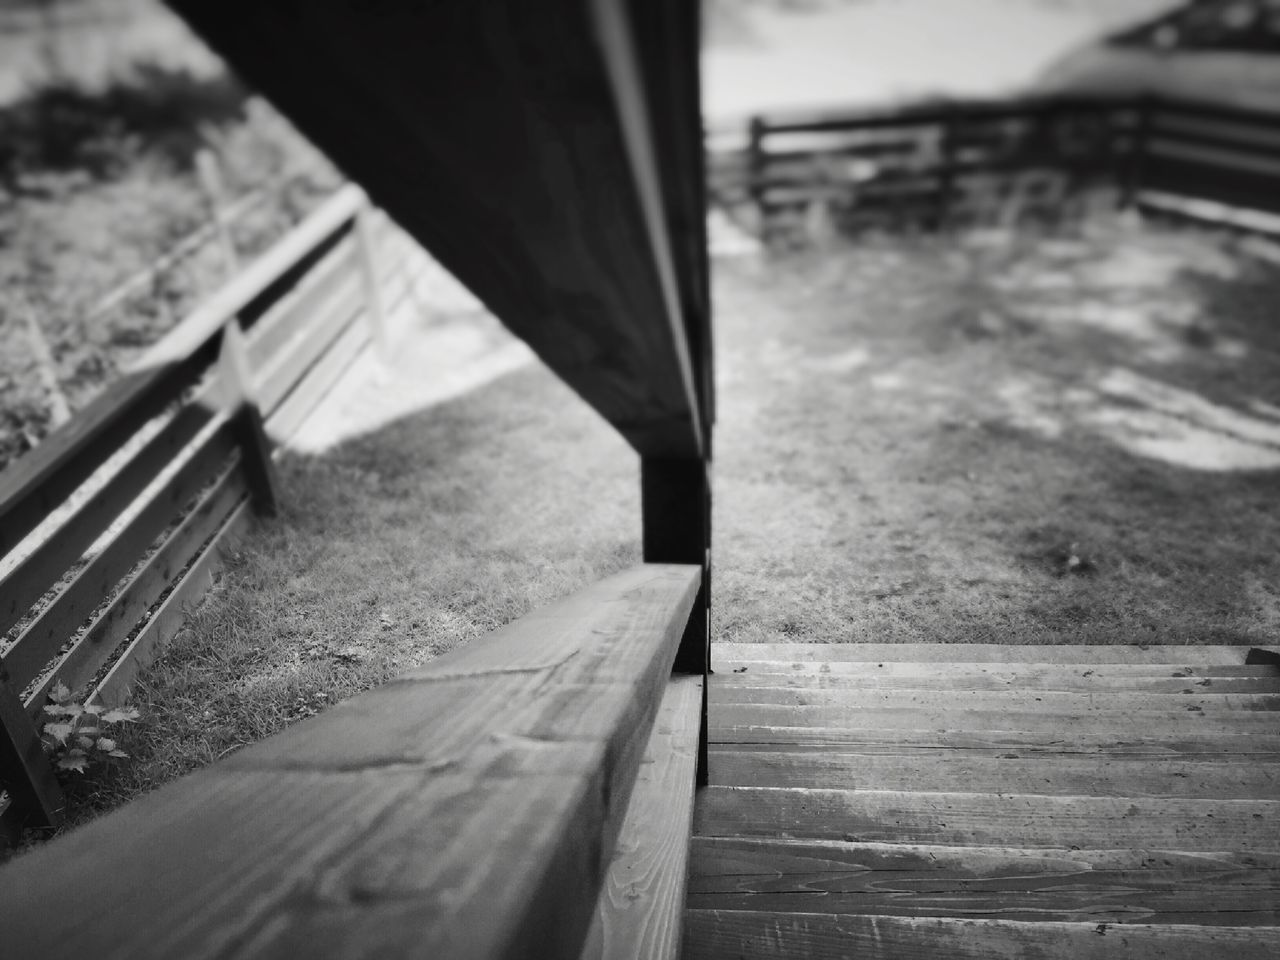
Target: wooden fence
x=974, y=162
x=116, y=523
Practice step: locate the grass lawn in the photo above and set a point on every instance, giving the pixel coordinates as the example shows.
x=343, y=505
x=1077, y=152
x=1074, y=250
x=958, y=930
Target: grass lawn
x=1057, y=441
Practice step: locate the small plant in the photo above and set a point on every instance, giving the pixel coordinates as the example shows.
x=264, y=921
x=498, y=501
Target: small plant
x=76, y=737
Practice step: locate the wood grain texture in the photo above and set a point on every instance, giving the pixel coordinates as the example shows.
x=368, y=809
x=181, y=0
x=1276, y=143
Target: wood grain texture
x=1080, y=678
x=1114, y=886
x=1023, y=820
x=959, y=770
x=1118, y=742
x=467, y=809
x=1092, y=654
x=522, y=95
x=753, y=935
x=956, y=717
x=959, y=698
x=641, y=905
x=40, y=640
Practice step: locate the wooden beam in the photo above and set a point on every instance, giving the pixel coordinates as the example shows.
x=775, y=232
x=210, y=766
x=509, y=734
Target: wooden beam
x=511, y=140
x=468, y=809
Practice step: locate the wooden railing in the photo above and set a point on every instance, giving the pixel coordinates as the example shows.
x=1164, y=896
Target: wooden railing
x=956, y=162
x=116, y=522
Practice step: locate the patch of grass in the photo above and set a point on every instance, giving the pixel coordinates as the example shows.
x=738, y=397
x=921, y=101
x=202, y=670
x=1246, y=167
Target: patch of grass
x=392, y=549
x=935, y=485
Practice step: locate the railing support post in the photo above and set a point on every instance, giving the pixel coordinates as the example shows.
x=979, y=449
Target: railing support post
x=375, y=303
x=1131, y=172
x=36, y=795
x=239, y=398
x=675, y=499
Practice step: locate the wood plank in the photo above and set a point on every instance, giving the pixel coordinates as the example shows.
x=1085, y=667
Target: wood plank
x=962, y=698
x=1137, y=678
x=755, y=935
x=984, y=819
x=961, y=770
x=467, y=809
x=955, y=716
x=112, y=625
x=984, y=653
x=169, y=618
x=41, y=640
x=640, y=910
x=1110, y=886
x=28, y=581
x=1114, y=743
x=29, y=779
x=569, y=254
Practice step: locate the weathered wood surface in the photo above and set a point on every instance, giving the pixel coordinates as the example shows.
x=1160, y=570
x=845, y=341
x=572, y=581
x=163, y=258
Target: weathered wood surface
x=1128, y=886
x=1208, y=777
x=40, y=640
x=961, y=698
x=755, y=935
x=1092, y=654
x=1136, y=678
x=467, y=809
x=1027, y=820
x=1118, y=742
x=1029, y=721
x=640, y=910
x=571, y=253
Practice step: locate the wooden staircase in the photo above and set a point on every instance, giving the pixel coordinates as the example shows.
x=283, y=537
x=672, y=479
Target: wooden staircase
x=965, y=801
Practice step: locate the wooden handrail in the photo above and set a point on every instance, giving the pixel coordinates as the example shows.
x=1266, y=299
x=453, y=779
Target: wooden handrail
x=468, y=809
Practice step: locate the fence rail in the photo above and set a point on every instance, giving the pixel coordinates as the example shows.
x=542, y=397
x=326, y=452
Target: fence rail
x=117, y=521
x=958, y=162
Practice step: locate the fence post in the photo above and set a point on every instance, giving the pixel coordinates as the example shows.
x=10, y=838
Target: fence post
x=755, y=167
x=211, y=181
x=375, y=303
x=1131, y=174
x=28, y=776
x=239, y=397
x=675, y=499
x=946, y=166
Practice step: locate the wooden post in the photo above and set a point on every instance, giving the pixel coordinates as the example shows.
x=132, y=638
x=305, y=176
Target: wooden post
x=239, y=397
x=46, y=367
x=26, y=771
x=946, y=167
x=211, y=182
x=755, y=167
x=1131, y=174
x=375, y=303
x=675, y=499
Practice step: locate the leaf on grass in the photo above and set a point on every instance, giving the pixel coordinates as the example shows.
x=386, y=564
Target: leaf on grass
x=86, y=743
x=60, y=692
x=117, y=753
x=59, y=731
x=119, y=714
x=60, y=709
x=106, y=744
x=93, y=708
x=75, y=760
x=90, y=731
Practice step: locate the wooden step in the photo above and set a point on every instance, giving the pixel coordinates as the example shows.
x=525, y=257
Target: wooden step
x=958, y=771
x=639, y=913
x=955, y=716
x=757, y=935
x=984, y=819
x=1131, y=886
x=1051, y=701
x=1118, y=742
x=1138, y=678
x=981, y=653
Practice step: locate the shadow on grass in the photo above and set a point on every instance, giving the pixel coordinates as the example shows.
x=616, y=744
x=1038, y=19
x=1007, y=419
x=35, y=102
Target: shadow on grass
x=63, y=127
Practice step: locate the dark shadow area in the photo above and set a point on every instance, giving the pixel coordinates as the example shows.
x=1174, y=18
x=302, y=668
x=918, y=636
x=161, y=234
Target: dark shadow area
x=64, y=127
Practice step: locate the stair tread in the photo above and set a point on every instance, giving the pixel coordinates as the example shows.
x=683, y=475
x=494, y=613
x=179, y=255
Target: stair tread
x=984, y=882
x=986, y=652
x=985, y=819
x=1210, y=778
x=748, y=935
x=1251, y=680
